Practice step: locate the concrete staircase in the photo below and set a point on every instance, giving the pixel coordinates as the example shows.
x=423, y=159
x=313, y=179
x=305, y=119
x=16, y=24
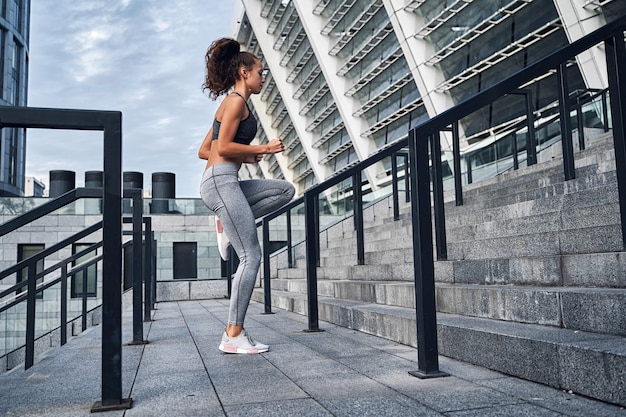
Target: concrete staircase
x=534, y=285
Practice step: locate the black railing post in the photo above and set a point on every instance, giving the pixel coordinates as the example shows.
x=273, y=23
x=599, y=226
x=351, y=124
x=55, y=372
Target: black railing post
x=267, y=291
x=407, y=180
x=316, y=221
x=357, y=193
x=230, y=270
x=147, y=270
x=531, y=139
x=456, y=156
x=154, y=268
x=514, y=149
x=63, y=304
x=289, y=241
x=31, y=288
x=440, y=218
x=605, y=111
x=137, y=245
x=566, y=123
x=311, y=200
x=112, y=268
x=424, y=269
x=110, y=122
x=394, y=187
x=581, y=126
x=616, y=62
x=83, y=296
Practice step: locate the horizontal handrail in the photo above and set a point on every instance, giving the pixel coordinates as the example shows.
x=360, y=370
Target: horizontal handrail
x=110, y=123
x=418, y=142
x=54, y=248
x=29, y=262
x=42, y=287
x=49, y=207
x=67, y=119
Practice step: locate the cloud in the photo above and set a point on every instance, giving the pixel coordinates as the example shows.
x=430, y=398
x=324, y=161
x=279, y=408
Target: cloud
x=142, y=57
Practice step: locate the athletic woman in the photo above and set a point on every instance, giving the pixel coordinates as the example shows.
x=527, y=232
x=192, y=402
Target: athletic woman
x=238, y=75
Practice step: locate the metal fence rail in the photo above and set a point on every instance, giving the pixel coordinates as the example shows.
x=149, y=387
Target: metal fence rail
x=423, y=141
x=110, y=123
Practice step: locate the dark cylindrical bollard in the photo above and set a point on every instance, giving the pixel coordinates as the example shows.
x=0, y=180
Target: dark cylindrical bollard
x=94, y=179
x=131, y=179
x=61, y=182
x=163, y=189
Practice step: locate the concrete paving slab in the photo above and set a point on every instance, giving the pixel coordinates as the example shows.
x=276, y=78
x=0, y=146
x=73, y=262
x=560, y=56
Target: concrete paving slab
x=337, y=372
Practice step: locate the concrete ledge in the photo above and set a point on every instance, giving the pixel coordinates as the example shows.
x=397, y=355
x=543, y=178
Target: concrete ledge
x=191, y=290
x=587, y=363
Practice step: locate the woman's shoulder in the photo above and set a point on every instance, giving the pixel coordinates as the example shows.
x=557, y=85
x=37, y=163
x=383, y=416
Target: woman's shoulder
x=231, y=104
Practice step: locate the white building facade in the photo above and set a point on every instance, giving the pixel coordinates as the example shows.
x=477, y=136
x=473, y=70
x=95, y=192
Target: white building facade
x=348, y=77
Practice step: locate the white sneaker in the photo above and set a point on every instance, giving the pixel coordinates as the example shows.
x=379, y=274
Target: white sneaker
x=222, y=240
x=241, y=344
x=261, y=346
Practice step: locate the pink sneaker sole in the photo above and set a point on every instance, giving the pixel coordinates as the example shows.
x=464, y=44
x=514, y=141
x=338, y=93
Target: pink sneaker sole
x=235, y=349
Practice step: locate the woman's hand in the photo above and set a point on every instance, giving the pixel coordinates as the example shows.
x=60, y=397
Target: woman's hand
x=275, y=146
x=253, y=159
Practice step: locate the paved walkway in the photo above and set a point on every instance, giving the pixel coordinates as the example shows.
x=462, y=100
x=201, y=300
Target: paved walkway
x=338, y=372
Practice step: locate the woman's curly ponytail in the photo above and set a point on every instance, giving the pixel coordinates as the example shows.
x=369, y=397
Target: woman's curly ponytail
x=223, y=60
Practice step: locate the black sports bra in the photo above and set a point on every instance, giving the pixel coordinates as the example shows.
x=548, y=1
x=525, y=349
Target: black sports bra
x=245, y=132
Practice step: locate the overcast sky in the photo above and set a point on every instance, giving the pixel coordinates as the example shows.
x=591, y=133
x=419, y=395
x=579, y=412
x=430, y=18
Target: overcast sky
x=142, y=57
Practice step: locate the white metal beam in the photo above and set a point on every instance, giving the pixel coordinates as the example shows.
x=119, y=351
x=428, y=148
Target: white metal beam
x=272, y=58
x=346, y=106
x=579, y=21
x=406, y=25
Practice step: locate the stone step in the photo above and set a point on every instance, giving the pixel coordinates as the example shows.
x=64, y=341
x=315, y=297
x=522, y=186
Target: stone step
x=566, y=214
x=600, y=154
x=548, y=184
x=552, y=197
x=595, y=213
x=603, y=214
x=566, y=191
x=575, y=308
x=590, y=364
x=591, y=269
x=604, y=269
x=539, y=243
x=581, y=309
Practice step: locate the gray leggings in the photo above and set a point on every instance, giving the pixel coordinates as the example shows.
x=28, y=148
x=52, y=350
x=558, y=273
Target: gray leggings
x=238, y=204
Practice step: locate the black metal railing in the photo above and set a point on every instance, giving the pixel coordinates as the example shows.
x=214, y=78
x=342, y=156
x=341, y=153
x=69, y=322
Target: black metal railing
x=66, y=269
x=28, y=288
x=425, y=168
x=141, y=269
x=613, y=38
x=110, y=123
x=534, y=141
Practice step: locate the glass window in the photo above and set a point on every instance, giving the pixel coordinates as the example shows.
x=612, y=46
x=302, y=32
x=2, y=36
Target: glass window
x=2, y=57
x=15, y=14
x=76, y=285
x=25, y=251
